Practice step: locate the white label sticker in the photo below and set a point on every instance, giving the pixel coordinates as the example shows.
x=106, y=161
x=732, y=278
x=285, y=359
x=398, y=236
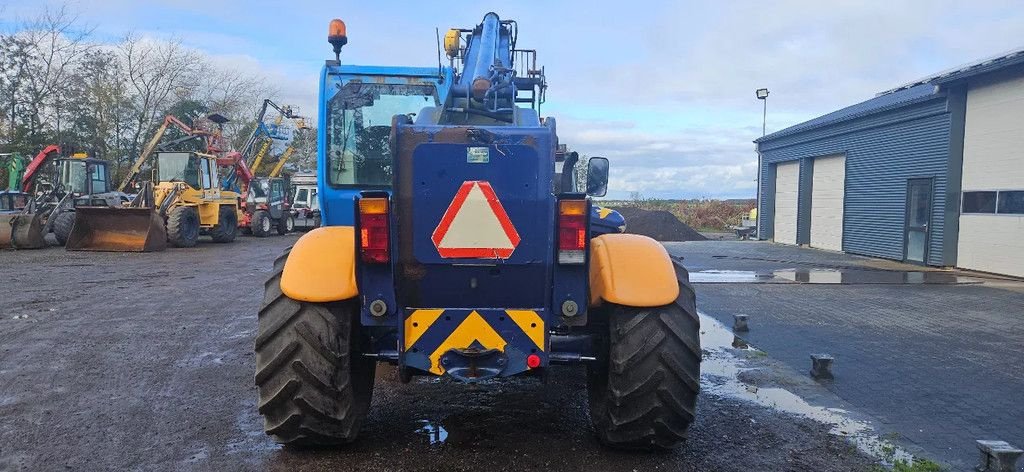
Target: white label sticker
x=478, y=155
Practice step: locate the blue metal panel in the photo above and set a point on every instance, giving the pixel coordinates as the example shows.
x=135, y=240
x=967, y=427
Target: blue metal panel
x=513, y=171
x=520, y=170
x=882, y=151
x=803, y=210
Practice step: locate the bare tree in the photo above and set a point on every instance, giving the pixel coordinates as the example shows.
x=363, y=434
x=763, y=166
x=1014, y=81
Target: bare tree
x=156, y=72
x=16, y=60
x=235, y=94
x=58, y=40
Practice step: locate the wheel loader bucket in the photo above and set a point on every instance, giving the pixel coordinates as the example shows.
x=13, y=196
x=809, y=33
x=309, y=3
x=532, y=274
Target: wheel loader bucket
x=22, y=231
x=117, y=230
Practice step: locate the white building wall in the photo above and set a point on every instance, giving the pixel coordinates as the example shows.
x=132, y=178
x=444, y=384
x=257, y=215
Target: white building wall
x=993, y=160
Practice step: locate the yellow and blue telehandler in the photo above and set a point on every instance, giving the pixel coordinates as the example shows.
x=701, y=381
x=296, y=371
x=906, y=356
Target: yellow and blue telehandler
x=450, y=247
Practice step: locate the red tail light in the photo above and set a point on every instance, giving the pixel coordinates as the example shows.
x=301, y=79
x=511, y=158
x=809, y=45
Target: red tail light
x=572, y=231
x=374, y=247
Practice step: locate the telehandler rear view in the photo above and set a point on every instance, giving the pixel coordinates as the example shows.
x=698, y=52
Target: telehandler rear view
x=449, y=247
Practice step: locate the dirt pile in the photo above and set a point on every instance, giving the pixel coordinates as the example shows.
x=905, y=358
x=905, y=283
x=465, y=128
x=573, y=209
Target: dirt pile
x=658, y=224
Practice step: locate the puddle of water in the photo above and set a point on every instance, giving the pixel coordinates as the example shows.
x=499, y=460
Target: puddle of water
x=730, y=276
x=830, y=276
x=434, y=432
x=720, y=371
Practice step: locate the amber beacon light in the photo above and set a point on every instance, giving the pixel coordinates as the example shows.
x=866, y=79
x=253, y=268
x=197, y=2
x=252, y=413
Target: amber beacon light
x=337, y=36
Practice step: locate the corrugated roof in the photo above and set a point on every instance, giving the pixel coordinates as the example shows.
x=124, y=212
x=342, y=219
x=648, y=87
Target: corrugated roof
x=970, y=69
x=906, y=94
x=874, y=105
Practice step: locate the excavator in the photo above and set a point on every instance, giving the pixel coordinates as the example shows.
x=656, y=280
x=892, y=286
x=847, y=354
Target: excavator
x=183, y=200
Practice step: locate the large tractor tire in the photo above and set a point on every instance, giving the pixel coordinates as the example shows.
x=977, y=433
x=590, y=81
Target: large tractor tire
x=227, y=225
x=643, y=388
x=62, y=226
x=315, y=386
x=183, y=226
x=285, y=225
x=261, y=224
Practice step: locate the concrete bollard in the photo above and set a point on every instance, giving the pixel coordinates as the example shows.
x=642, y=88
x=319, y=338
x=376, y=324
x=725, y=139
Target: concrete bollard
x=997, y=456
x=739, y=323
x=821, y=366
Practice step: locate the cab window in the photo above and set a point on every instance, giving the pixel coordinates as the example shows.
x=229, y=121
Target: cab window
x=359, y=126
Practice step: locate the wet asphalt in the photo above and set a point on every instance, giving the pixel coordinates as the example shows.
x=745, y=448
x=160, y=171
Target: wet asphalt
x=145, y=362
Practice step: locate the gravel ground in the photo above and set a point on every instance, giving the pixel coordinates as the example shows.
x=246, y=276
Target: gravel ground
x=144, y=362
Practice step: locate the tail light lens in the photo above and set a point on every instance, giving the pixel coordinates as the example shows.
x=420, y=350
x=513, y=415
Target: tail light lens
x=572, y=231
x=374, y=247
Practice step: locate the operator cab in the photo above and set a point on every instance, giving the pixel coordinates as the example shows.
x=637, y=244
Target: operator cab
x=357, y=106
x=82, y=176
x=192, y=168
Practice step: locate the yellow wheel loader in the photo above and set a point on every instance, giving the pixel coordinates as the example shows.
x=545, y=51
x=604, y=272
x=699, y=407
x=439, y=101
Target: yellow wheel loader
x=184, y=203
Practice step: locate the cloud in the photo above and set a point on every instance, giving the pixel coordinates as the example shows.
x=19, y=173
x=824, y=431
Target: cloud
x=663, y=88
x=676, y=162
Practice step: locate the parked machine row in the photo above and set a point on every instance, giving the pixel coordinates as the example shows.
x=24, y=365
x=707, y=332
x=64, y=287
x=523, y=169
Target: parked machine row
x=195, y=185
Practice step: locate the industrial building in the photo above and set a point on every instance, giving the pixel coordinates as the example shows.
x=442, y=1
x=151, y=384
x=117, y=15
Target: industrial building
x=931, y=172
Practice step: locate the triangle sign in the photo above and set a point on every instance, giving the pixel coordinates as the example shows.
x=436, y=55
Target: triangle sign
x=475, y=225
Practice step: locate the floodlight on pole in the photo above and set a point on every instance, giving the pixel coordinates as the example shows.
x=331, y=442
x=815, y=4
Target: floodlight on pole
x=761, y=94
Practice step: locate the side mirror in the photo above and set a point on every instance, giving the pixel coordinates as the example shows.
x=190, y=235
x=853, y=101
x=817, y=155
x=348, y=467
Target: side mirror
x=597, y=176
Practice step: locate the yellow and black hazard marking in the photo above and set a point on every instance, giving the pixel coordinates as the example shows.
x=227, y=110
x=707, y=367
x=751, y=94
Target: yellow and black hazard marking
x=499, y=341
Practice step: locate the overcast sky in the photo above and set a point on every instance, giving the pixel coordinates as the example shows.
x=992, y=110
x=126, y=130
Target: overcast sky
x=665, y=89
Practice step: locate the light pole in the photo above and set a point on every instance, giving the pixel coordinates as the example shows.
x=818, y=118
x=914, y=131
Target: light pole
x=761, y=94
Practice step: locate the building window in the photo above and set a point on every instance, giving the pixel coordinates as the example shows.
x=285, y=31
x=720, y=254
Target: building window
x=979, y=202
x=1011, y=202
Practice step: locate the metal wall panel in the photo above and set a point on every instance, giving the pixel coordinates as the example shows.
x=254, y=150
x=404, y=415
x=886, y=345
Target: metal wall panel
x=882, y=151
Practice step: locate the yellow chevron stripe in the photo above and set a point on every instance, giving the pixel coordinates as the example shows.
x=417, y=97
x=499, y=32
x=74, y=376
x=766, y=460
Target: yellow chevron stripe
x=603, y=212
x=473, y=328
x=417, y=323
x=531, y=324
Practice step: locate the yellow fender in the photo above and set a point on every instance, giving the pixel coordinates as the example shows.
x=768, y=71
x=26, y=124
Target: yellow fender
x=322, y=267
x=631, y=270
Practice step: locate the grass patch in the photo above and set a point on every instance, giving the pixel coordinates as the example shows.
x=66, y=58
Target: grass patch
x=918, y=465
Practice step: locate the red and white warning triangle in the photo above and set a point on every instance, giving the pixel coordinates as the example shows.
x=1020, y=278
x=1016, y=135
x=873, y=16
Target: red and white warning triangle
x=475, y=225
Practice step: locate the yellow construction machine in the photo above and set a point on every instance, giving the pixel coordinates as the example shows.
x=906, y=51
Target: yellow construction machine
x=182, y=201
x=186, y=202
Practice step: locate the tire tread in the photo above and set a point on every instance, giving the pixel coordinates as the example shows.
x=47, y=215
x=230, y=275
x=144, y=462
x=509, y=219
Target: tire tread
x=306, y=375
x=645, y=396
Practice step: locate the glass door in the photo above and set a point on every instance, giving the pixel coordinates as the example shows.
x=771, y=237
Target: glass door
x=919, y=213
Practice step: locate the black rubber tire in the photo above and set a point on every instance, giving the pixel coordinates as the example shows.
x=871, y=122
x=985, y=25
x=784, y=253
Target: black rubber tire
x=183, y=226
x=227, y=225
x=261, y=224
x=314, y=386
x=63, y=225
x=643, y=389
x=285, y=225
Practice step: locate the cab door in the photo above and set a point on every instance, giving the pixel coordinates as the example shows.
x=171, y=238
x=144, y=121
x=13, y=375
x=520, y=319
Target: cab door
x=208, y=178
x=275, y=200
